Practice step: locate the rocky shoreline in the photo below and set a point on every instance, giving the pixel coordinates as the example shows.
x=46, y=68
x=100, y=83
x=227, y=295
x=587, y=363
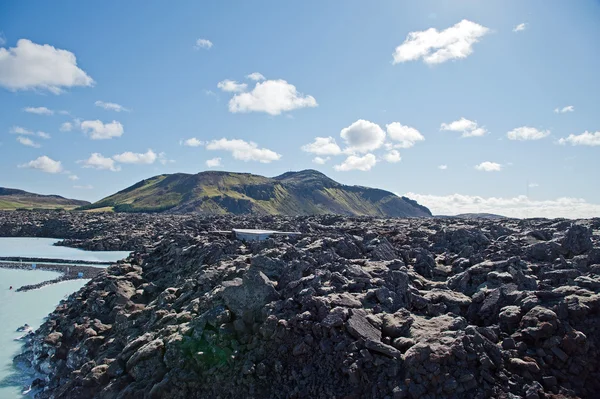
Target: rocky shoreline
x=353, y=308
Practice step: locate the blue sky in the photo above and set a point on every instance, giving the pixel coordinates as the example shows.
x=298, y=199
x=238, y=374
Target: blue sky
x=375, y=70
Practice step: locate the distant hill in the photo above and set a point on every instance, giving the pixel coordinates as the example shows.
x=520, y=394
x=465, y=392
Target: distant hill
x=294, y=193
x=475, y=216
x=11, y=199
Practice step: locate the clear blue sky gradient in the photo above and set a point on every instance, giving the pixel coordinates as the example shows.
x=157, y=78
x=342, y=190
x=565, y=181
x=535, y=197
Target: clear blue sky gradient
x=141, y=55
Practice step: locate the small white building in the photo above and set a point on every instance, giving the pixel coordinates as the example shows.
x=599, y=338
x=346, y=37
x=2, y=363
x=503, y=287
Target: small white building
x=258, y=235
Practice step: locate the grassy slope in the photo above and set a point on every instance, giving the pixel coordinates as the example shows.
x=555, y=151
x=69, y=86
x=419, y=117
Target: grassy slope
x=24, y=200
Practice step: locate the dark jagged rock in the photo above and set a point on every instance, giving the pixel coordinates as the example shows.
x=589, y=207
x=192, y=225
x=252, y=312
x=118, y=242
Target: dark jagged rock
x=354, y=307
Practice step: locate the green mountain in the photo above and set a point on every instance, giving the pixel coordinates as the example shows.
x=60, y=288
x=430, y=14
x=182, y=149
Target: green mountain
x=294, y=193
x=11, y=199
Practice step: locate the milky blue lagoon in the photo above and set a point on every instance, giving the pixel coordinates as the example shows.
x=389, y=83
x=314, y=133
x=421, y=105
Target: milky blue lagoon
x=31, y=307
x=44, y=248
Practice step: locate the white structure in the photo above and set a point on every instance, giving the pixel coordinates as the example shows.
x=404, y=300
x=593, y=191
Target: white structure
x=258, y=235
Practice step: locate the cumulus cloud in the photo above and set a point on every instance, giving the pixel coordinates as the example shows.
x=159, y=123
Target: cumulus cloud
x=465, y=126
x=585, y=138
x=203, y=43
x=393, y=156
x=66, y=127
x=31, y=66
x=406, y=136
x=73, y=177
x=527, y=133
x=44, y=164
x=323, y=146
x=563, y=110
x=98, y=130
x=256, y=76
x=136, y=158
x=232, y=86
x=193, y=142
x=28, y=142
x=272, y=97
x=519, y=207
x=97, y=161
x=43, y=135
x=363, y=136
x=489, y=167
x=213, y=163
x=320, y=160
x=110, y=106
x=354, y=162
x=38, y=110
x=443, y=167
x=243, y=150
x=520, y=27
x=436, y=47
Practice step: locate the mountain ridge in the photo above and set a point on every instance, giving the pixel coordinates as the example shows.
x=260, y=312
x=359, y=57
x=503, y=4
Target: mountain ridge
x=304, y=192
x=12, y=198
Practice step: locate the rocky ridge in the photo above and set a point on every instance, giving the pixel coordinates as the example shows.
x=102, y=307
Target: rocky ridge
x=357, y=307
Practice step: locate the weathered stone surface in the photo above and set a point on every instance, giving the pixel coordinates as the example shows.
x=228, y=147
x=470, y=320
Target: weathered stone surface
x=355, y=307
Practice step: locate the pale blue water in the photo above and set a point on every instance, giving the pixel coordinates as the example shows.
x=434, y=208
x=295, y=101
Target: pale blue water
x=31, y=307
x=44, y=248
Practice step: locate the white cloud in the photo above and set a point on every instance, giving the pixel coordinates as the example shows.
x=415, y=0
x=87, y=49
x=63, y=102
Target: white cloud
x=272, y=97
x=568, y=108
x=244, y=151
x=354, y=162
x=232, y=86
x=193, y=142
x=213, y=163
x=520, y=27
x=2, y=39
x=393, y=156
x=585, y=138
x=533, y=185
x=527, y=133
x=28, y=142
x=97, y=161
x=467, y=127
x=66, y=127
x=44, y=164
x=203, y=43
x=519, y=207
x=256, y=76
x=31, y=66
x=406, y=136
x=162, y=158
x=86, y=187
x=435, y=47
x=443, y=167
x=25, y=132
x=489, y=167
x=100, y=131
x=20, y=130
x=110, y=106
x=323, y=146
x=38, y=110
x=363, y=136
x=320, y=160
x=136, y=158
x=73, y=177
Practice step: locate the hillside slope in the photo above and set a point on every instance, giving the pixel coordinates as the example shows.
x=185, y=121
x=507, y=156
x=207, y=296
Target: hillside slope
x=294, y=193
x=11, y=199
